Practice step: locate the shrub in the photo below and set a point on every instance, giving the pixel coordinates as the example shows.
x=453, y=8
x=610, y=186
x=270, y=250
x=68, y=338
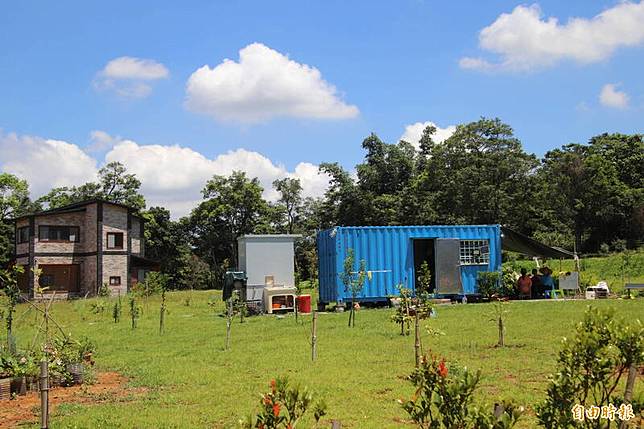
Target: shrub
x=488, y=283
x=444, y=399
x=591, y=365
x=283, y=406
x=104, y=291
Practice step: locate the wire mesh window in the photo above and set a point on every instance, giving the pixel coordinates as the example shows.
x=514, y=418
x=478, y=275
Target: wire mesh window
x=475, y=252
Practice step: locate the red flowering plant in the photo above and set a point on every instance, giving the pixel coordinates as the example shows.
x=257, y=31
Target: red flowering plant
x=444, y=398
x=283, y=406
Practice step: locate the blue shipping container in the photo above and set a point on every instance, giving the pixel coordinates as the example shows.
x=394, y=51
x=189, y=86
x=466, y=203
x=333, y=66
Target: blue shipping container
x=393, y=254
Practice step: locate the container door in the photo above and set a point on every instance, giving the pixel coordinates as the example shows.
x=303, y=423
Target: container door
x=448, y=266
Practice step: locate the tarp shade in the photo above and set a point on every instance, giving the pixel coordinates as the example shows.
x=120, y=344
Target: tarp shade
x=517, y=242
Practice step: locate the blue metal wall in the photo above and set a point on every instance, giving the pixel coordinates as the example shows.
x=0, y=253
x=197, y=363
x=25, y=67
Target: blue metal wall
x=391, y=248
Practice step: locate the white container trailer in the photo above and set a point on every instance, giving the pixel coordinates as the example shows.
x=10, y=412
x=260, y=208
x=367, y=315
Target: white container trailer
x=262, y=256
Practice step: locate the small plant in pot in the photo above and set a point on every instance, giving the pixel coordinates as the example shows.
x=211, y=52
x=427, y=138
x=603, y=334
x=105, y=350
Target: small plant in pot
x=7, y=372
x=26, y=373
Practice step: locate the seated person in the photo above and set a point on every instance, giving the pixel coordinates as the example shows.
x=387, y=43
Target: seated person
x=546, y=279
x=537, y=286
x=524, y=283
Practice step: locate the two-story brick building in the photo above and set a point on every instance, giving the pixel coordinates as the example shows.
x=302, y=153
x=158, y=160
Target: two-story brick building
x=80, y=247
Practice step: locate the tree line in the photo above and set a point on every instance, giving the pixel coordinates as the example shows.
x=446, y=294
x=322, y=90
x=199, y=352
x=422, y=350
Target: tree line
x=579, y=196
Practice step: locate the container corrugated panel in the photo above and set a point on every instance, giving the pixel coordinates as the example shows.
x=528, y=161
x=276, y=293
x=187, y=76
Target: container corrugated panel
x=389, y=254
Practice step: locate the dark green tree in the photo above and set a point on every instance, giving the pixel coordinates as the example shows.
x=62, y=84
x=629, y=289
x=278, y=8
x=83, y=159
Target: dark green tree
x=232, y=206
x=290, y=199
x=14, y=201
x=114, y=184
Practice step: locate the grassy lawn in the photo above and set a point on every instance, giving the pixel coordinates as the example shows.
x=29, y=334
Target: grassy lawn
x=193, y=382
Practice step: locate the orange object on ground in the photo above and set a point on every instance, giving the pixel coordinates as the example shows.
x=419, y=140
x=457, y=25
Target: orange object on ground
x=304, y=303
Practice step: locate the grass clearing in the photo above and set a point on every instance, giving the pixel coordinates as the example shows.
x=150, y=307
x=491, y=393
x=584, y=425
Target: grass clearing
x=192, y=382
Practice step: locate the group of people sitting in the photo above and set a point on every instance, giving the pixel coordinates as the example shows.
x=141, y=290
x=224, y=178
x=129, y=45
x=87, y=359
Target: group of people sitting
x=536, y=285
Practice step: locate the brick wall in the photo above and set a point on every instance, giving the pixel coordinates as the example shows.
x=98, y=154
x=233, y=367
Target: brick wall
x=114, y=220
x=137, y=242
x=64, y=219
x=115, y=265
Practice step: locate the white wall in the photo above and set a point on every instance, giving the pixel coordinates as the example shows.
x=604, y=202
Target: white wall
x=268, y=255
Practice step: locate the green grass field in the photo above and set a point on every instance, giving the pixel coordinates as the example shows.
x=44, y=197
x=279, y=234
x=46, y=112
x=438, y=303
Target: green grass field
x=193, y=382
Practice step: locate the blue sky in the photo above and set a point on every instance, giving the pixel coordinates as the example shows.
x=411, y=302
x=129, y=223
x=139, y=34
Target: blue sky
x=382, y=66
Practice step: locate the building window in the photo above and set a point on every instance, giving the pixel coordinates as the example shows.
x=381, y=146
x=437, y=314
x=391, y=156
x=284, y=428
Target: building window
x=58, y=233
x=115, y=280
x=475, y=252
x=46, y=280
x=23, y=234
x=114, y=240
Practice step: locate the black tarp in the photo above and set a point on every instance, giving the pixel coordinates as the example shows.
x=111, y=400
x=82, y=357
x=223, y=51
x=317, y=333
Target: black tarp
x=517, y=242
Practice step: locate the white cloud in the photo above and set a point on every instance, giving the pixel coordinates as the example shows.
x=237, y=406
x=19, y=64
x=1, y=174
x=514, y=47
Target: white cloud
x=134, y=68
x=100, y=141
x=45, y=163
x=264, y=84
x=610, y=96
x=524, y=40
x=171, y=176
x=129, y=77
x=414, y=132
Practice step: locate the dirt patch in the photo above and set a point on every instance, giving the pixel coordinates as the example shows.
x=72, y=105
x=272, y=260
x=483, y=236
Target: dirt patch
x=109, y=387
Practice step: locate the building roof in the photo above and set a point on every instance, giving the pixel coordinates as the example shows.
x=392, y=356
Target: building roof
x=76, y=207
x=269, y=237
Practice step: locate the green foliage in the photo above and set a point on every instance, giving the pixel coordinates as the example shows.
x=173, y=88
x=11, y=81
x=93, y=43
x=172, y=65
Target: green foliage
x=9, y=288
x=424, y=279
x=136, y=310
x=104, y=291
x=116, y=310
x=408, y=306
x=488, y=283
x=444, y=398
x=114, y=185
x=154, y=283
x=14, y=202
x=98, y=307
x=283, y=406
x=491, y=284
x=290, y=191
x=353, y=281
x=232, y=206
x=591, y=365
x=402, y=315
x=498, y=316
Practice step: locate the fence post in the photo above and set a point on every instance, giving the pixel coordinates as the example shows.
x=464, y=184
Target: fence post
x=44, y=394
x=417, y=338
x=314, y=337
x=229, y=316
x=630, y=386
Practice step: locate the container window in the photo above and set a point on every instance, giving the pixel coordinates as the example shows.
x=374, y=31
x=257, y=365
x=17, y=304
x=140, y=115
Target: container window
x=475, y=252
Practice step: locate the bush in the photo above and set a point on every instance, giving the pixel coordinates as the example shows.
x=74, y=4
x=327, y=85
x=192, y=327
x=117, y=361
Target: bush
x=283, y=406
x=491, y=284
x=444, y=399
x=591, y=365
